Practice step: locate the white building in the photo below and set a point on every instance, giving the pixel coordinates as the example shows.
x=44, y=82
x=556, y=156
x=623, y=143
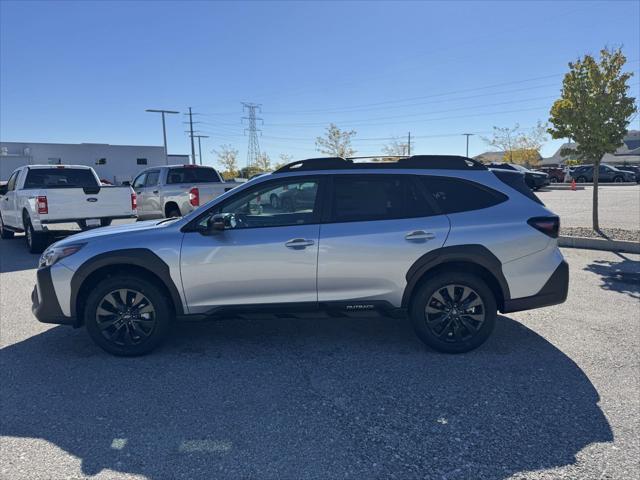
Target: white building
x=115, y=163
x=627, y=154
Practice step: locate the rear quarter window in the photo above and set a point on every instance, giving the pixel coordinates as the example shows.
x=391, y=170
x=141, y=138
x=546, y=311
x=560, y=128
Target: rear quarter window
x=455, y=195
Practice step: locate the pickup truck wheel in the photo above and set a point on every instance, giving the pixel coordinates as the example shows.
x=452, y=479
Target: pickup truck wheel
x=4, y=233
x=36, y=241
x=453, y=312
x=173, y=212
x=127, y=316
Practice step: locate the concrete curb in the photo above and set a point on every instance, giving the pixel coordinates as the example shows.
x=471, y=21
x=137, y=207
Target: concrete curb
x=599, y=244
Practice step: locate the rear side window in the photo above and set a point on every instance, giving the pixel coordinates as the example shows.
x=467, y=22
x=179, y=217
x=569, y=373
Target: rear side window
x=376, y=197
x=60, y=178
x=192, y=175
x=455, y=195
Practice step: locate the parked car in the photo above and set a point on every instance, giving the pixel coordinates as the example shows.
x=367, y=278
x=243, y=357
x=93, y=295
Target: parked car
x=606, y=173
x=556, y=174
x=442, y=239
x=175, y=190
x=48, y=200
x=535, y=180
x=633, y=169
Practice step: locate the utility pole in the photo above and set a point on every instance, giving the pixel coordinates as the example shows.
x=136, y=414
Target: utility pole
x=164, y=130
x=409, y=145
x=468, y=135
x=253, y=150
x=200, y=145
x=193, y=147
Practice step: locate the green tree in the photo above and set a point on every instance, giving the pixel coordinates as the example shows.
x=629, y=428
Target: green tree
x=594, y=110
x=336, y=142
x=228, y=158
x=263, y=162
x=519, y=145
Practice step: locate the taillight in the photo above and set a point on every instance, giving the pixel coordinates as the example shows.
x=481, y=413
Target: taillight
x=548, y=225
x=194, y=197
x=134, y=201
x=43, y=206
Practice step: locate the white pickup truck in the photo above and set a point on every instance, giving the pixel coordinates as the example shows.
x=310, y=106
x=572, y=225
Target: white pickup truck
x=175, y=190
x=48, y=200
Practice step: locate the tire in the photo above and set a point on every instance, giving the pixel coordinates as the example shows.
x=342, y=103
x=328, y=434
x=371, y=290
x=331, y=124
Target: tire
x=117, y=326
x=36, y=241
x=463, y=332
x=581, y=179
x=4, y=233
x=553, y=180
x=173, y=212
x=618, y=179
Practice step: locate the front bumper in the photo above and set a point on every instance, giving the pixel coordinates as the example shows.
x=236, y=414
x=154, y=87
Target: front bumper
x=44, y=302
x=552, y=293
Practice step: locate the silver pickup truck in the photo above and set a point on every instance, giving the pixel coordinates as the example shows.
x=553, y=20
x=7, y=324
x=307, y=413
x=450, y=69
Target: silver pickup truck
x=175, y=190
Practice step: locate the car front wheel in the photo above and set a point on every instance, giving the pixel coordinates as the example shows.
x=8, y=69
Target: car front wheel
x=454, y=312
x=127, y=315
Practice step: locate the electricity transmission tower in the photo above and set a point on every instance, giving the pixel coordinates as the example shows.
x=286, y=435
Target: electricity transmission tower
x=253, y=151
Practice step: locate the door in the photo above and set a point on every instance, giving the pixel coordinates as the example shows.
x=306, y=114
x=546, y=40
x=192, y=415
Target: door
x=376, y=227
x=268, y=255
x=9, y=207
x=151, y=196
x=139, y=188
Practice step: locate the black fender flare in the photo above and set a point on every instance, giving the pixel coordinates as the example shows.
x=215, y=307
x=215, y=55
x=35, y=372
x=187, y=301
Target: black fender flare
x=139, y=257
x=475, y=254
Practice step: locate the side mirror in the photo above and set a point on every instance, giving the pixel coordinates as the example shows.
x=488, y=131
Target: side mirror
x=220, y=223
x=4, y=189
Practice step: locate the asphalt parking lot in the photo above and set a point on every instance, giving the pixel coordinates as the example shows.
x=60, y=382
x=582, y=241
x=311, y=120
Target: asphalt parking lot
x=553, y=394
x=619, y=206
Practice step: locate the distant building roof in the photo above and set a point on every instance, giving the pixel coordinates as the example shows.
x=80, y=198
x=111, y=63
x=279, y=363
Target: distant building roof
x=488, y=157
x=629, y=152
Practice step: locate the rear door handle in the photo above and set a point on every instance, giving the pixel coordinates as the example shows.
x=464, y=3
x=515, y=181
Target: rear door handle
x=419, y=235
x=299, y=243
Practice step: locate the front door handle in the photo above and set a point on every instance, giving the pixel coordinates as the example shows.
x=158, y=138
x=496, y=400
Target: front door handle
x=419, y=235
x=299, y=243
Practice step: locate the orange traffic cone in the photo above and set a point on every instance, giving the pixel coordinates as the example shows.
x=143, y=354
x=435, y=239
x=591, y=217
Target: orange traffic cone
x=573, y=184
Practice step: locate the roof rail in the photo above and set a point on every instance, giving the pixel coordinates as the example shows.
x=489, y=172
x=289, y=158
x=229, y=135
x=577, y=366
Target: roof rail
x=434, y=162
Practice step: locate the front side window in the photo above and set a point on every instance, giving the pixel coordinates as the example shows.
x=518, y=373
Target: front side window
x=455, y=195
x=139, y=181
x=11, y=184
x=276, y=204
x=376, y=197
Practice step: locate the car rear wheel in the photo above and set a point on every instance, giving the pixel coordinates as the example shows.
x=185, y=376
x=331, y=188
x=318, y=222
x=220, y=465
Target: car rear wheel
x=618, y=179
x=454, y=312
x=127, y=316
x=581, y=179
x=36, y=241
x=4, y=233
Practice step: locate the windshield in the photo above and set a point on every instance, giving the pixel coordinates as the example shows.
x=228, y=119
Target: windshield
x=192, y=175
x=60, y=178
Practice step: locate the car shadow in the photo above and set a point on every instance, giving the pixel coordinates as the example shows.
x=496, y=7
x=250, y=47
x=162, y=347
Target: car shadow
x=621, y=276
x=14, y=255
x=303, y=398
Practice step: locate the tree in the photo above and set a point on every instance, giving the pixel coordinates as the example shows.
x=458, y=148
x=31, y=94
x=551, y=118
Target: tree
x=594, y=110
x=263, y=163
x=284, y=159
x=395, y=148
x=336, y=142
x=518, y=145
x=228, y=158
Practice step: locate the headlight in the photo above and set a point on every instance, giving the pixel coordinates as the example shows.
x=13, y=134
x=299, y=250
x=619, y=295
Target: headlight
x=54, y=253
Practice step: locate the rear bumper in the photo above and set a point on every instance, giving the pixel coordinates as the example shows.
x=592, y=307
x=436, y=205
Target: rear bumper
x=44, y=302
x=552, y=293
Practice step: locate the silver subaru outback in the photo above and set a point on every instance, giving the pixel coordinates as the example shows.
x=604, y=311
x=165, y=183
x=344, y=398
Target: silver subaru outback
x=441, y=239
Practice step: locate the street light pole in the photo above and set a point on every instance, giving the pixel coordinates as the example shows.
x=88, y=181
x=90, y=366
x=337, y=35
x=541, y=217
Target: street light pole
x=468, y=135
x=164, y=130
x=200, y=146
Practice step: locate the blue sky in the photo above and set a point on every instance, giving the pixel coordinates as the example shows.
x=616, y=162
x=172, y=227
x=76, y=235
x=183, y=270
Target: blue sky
x=86, y=71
